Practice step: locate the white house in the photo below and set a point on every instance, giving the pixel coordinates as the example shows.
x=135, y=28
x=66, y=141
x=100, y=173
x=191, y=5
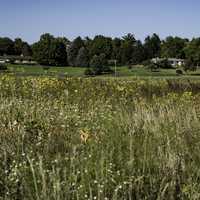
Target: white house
x=2, y=61
x=173, y=61
x=176, y=62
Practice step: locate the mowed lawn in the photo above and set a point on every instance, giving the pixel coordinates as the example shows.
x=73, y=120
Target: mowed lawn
x=122, y=71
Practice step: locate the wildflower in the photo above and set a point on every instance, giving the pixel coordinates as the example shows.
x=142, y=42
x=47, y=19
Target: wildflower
x=15, y=123
x=120, y=187
x=84, y=136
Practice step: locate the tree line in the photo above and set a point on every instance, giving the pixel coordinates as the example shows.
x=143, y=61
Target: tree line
x=97, y=52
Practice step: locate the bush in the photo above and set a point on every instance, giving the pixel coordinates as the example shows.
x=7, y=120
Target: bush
x=45, y=68
x=3, y=67
x=146, y=63
x=99, y=65
x=179, y=72
x=189, y=66
x=89, y=72
x=153, y=67
x=164, y=64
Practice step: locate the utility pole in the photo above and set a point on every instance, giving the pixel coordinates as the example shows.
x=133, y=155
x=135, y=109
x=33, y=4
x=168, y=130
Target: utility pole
x=115, y=67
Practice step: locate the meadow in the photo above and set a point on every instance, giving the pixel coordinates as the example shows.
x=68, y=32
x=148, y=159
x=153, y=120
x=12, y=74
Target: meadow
x=101, y=139
x=121, y=71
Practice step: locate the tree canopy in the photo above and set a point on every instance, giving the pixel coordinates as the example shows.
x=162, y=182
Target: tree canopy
x=50, y=51
x=127, y=50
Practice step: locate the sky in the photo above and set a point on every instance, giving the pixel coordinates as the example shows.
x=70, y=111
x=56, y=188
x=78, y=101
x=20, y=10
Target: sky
x=29, y=19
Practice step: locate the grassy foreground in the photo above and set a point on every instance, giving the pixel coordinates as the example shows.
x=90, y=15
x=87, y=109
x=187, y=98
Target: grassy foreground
x=99, y=139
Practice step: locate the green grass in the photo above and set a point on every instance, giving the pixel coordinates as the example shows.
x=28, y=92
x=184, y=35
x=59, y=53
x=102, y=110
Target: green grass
x=38, y=70
x=123, y=72
x=101, y=139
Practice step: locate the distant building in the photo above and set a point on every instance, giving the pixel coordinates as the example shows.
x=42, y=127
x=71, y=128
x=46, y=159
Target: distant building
x=17, y=60
x=173, y=61
x=2, y=61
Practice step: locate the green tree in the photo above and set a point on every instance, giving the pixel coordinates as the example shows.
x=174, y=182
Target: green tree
x=173, y=47
x=50, y=51
x=138, y=54
x=82, y=59
x=22, y=48
x=99, y=65
x=152, y=46
x=6, y=46
x=127, y=48
x=192, y=52
x=26, y=50
x=73, y=50
x=18, y=45
x=116, y=52
x=100, y=45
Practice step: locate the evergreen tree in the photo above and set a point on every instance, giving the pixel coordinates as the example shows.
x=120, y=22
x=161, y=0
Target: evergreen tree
x=152, y=46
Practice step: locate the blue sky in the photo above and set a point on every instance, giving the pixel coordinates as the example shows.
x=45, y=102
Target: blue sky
x=28, y=19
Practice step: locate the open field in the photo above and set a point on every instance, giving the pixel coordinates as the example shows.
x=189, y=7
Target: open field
x=99, y=139
x=79, y=72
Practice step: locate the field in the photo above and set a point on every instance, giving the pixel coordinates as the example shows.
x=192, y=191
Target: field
x=90, y=138
x=122, y=71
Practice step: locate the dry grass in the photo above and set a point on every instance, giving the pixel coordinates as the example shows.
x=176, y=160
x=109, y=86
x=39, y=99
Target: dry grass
x=96, y=139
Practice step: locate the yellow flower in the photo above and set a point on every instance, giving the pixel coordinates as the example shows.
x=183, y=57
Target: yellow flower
x=84, y=136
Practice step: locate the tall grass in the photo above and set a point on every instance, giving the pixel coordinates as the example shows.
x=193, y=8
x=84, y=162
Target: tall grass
x=96, y=139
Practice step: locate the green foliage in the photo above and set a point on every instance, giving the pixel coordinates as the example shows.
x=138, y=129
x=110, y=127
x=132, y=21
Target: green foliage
x=173, y=47
x=89, y=72
x=6, y=46
x=116, y=46
x=189, y=66
x=164, y=64
x=192, y=51
x=3, y=67
x=73, y=51
x=138, y=54
x=50, y=51
x=127, y=48
x=101, y=45
x=26, y=50
x=152, y=46
x=99, y=65
x=153, y=67
x=179, y=72
x=82, y=59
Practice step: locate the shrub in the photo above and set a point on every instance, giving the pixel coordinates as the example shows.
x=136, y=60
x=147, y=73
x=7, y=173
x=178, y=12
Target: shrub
x=89, y=72
x=45, y=68
x=153, y=67
x=164, y=64
x=189, y=66
x=146, y=63
x=3, y=67
x=179, y=72
x=99, y=65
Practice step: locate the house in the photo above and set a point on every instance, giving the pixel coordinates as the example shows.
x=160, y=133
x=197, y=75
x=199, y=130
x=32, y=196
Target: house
x=2, y=61
x=175, y=62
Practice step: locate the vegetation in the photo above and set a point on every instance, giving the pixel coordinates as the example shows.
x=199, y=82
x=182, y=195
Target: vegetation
x=50, y=51
x=99, y=139
x=81, y=51
x=149, y=71
x=3, y=67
